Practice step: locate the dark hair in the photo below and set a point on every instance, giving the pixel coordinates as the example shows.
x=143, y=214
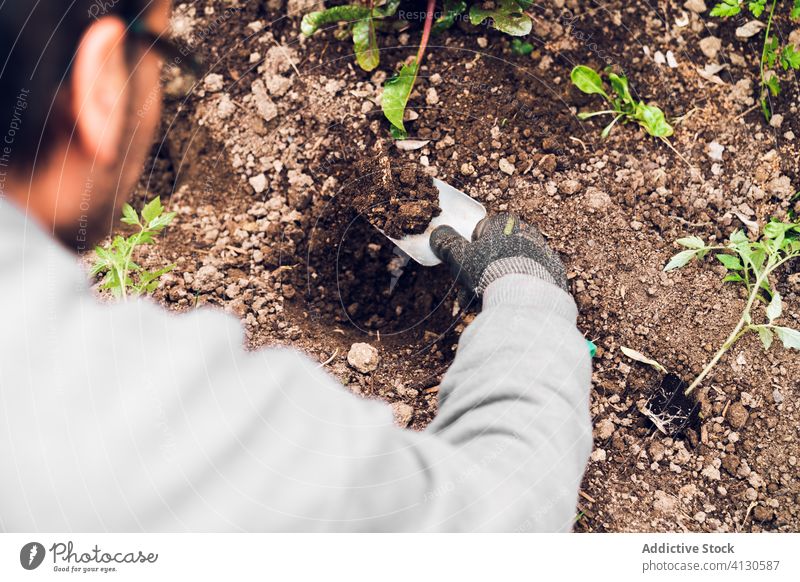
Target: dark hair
x=37, y=44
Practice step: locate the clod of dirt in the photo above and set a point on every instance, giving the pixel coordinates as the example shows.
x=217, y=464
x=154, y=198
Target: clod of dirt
x=737, y=415
x=363, y=357
x=398, y=199
x=403, y=413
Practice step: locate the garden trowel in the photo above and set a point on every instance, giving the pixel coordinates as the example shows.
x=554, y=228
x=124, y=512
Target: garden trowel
x=458, y=211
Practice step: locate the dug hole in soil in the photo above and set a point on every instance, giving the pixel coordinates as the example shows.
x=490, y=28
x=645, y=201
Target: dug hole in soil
x=272, y=161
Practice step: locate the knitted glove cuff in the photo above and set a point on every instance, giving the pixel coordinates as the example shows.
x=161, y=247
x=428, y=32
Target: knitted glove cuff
x=513, y=266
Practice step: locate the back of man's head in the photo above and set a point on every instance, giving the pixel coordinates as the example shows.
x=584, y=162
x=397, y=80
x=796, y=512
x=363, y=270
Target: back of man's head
x=37, y=45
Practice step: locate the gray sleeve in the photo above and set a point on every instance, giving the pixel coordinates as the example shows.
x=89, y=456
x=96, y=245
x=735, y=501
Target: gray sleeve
x=146, y=421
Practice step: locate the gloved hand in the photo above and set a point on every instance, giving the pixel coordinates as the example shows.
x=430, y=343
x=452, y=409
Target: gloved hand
x=501, y=244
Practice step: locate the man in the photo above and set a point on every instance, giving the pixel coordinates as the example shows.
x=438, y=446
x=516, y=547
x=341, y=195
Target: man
x=124, y=417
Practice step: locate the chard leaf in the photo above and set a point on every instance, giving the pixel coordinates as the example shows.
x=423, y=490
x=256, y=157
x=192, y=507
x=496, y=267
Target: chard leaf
x=620, y=85
x=365, y=43
x=587, y=80
x=152, y=210
x=314, y=20
x=507, y=17
x=652, y=119
x=396, y=91
x=129, y=215
x=680, y=260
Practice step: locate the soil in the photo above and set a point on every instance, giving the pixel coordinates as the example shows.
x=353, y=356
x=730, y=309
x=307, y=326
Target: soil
x=397, y=198
x=261, y=172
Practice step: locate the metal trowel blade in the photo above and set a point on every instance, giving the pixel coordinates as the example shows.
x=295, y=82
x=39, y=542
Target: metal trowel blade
x=458, y=211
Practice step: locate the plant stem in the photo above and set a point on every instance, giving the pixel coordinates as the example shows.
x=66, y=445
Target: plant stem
x=735, y=334
x=426, y=31
x=764, y=51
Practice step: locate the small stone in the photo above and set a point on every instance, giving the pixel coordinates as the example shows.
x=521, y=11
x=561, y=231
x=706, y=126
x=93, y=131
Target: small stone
x=431, y=96
x=596, y=199
x=403, y=413
x=711, y=472
x=762, y=513
x=714, y=151
x=363, y=357
x=206, y=278
x=258, y=182
x=749, y=29
x=598, y=455
x=656, y=450
x=777, y=397
x=467, y=169
x=776, y=120
x=213, y=82
x=232, y=291
x=700, y=517
x=737, y=415
x=696, y=6
x=604, y=429
x=506, y=166
x=710, y=46
x=664, y=503
x=483, y=42
x=569, y=187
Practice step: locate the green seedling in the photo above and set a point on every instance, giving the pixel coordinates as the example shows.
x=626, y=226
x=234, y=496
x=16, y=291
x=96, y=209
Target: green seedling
x=622, y=105
x=363, y=20
x=521, y=48
x=121, y=275
x=750, y=264
x=772, y=54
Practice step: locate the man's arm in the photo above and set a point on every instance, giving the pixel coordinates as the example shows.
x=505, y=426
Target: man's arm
x=135, y=419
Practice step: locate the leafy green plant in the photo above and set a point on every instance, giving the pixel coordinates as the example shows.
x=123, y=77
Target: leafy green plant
x=121, y=275
x=521, y=48
x=623, y=106
x=788, y=57
x=750, y=264
x=363, y=19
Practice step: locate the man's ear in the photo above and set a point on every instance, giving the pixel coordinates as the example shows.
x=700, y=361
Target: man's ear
x=99, y=95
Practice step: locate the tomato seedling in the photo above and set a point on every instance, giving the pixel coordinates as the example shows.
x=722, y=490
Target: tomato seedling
x=121, y=275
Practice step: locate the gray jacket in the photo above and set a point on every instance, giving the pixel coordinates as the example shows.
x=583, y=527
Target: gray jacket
x=128, y=418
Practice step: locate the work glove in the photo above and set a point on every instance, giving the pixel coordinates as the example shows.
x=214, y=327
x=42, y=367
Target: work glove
x=502, y=244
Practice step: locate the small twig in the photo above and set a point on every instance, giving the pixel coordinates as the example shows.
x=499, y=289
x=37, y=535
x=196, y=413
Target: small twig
x=587, y=497
x=329, y=360
x=677, y=153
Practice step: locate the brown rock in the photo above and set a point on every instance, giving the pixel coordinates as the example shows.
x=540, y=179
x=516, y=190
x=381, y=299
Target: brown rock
x=737, y=415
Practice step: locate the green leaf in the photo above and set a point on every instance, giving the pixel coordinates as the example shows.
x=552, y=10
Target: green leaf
x=790, y=58
x=450, y=11
x=680, y=260
x=620, y=86
x=731, y=263
x=775, y=307
x=756, y=7
x=366, y=44
x=652, y=119
x=396, y=91
x=507, y=17
x=790, y=337
x=766, y=336
x=521, y=48
x=129, y=215
x=387, y=9
x=733, y=278
x=314, y=20
x=795, y=13
x=152, y=210
x=691, y=242
x=726, y=8
x=588, y=81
